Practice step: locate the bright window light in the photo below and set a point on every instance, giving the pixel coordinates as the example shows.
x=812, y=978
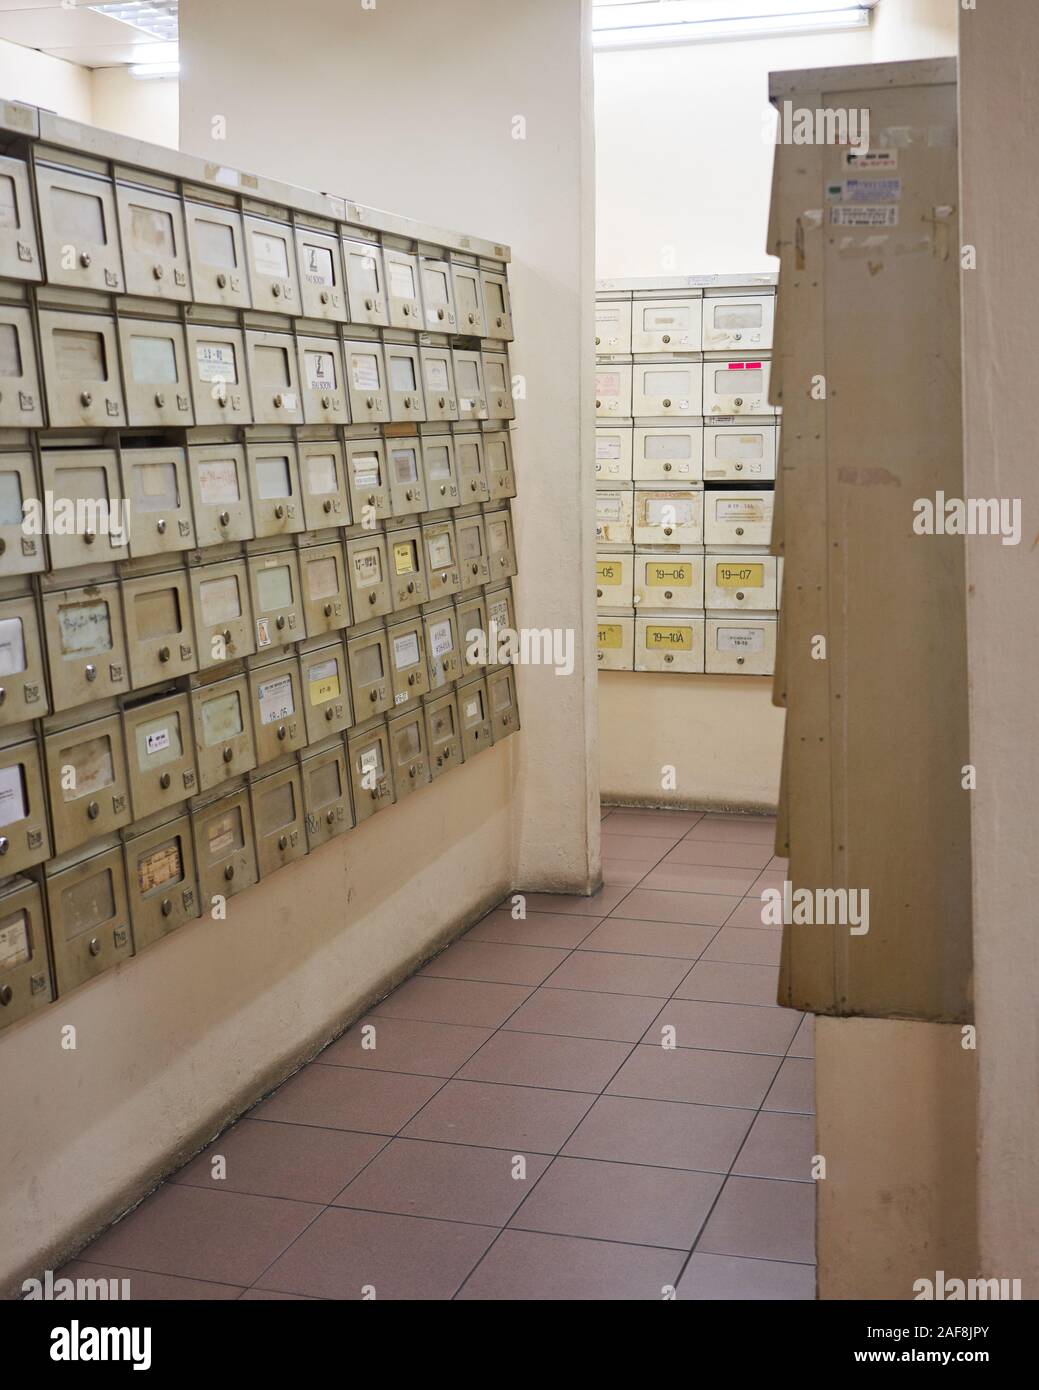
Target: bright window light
x=156, y=17
x=635, y=23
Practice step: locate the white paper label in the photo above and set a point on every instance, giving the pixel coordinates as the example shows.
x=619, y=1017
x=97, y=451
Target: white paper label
x=370, y=760
x=276, y=700
x=271, y=255
x=472, y=709
x=440, y=639
x=157, y=740
x=402, y=280
x=14, y=942
x=366, y=470
x=218, y=481
x=12, y=647
x=608, y=448
x=741, y=639
x=436, y=374
x=12, y=797
x=320, y=371
x=848, y=215
x=742, y=509
x=405, y=651
x=365, y=370
x=216, y=362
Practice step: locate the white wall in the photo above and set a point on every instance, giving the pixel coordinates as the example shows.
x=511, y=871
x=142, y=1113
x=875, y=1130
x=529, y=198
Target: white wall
x=35, y=78
x=170, y=1045
x=999, y=131
x=684, y=139
x=147, y=110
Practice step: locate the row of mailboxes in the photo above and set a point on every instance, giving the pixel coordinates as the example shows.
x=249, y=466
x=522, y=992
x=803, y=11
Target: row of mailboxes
x=121, y=894
x=685, y=453
x=102, y=371
x=78, y=645
x=126, y=238
x=684, y=644
x=97, y=505
x=116, y=765
x=683, y=516
x=673, y=387
x=660, y=323
x=681, y=580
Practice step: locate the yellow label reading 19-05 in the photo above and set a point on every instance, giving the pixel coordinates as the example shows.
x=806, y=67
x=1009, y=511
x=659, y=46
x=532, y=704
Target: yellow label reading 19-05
x=674, y=639
x=610, y=635
x=740, y=576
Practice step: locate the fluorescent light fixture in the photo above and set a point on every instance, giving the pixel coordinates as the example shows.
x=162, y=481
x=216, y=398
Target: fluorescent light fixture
x=155, y=17
x=637, y=23
x=144, y=71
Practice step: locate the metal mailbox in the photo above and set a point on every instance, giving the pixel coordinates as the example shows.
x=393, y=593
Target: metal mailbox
x=216, y=246
x=474, y=717
x=738, y=322
x=738, y=518
x=79, y=229
x=366, y=382
x=469, y=382
x=407, y=568
x=274, y=378
x=322, y=287
x=160, y=635
x=501, y=695
x=89, y=916
x=364, y=280
x=26, y=978
x=371, y=682
x=613, y=326
x=613, y=516
x=501, y=548
x=613, y=454
x=402, y=289
x=674, y=643
x=472, y=551
x=220, y=606
x=156, y=485
x=322, y=383
x=614, y=580
x=21, y=404
x=407, y=649
x=86, y=644
x=19, y=246
x=367, y=480
x=443, y=647
x=497, y=305
x=666, y=579
x=218, y=481
x=326, y=594
x=669, y=516
x=274, y=487
x=473, y=485
x=225, y=746
x=667, y=325
x=615, y=638
x=278, y=820
x=155, y=255
x=87, y=782
x=500, y=405
x=224, y=849
x=404, y=382
x=275, y=596
x=740, y=581
x=326, y=691
x=437, y=295
x=438, y=376
x=407, y=482
x=370, y=770
x=465, y=281
x=664, y=454
x=443, y=575
x=161, y=881
x=24, y=836
x=369, y=574
x=612, y=390
x=322, y=478
x=271, y=257
x=500, y=618
x=408, y=751
x=23, y=685
x=80, y=354
x=737, y=388
x=278, y=723
x=741, y=646
x=667, y=388
x=739, y=453
x=441, y=470
x=326, y=795
x=501, y=475
x=89, y=522
x=443, y=738
x=219, y=381
x=471, y=627
x=160, y=753
x=20, y=551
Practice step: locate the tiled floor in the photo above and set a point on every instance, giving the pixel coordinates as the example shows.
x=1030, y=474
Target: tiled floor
x=598, y=1101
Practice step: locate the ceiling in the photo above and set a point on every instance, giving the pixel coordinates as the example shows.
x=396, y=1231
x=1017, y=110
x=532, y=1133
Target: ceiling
x=80, y=34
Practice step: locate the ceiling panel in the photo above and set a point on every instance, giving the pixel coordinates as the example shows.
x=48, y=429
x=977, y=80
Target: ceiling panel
x=58, y=28
x=114, y=55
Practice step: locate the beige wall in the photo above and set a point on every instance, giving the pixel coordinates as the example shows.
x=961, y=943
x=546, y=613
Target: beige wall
x=895, y=1123
x=35, y=78
x=145, y=109
x=722, y=735
x=172, y=1044
x=999, y=131
x=683, y=165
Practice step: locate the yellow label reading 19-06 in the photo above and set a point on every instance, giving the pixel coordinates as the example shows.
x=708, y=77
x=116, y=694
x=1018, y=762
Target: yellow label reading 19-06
x=611, y=635
x=672, y=639
x=607, y=572
x=671, y=576
x=740, y=576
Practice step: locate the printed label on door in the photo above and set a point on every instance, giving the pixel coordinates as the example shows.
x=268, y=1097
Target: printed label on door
x=672, y=576
x=14, y=941
x=675, y=639
x=276, y=699
x=741, y=639
x=323, y=682
x=739, y=576
x=157, y=740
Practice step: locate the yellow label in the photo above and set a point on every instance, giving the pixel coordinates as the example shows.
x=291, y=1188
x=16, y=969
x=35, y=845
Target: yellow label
x=404, y=557
x=671, y=639
x=325, y=689
x=611, y=636
x=607, y=572
x=669, y=576
x=739, y=576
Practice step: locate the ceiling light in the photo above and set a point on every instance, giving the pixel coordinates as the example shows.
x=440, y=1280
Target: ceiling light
x=155, y=17
x=635, y=23
x=148, y=70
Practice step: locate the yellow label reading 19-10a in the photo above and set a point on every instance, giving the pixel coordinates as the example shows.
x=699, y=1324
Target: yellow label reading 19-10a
x=611, y=635
x=672, y=576
x=673, y=639
x=740, y=576
x=608, y=572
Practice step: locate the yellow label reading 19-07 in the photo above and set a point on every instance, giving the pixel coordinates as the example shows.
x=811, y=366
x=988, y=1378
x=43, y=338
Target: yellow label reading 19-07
x=740, y=576
x=673, y=639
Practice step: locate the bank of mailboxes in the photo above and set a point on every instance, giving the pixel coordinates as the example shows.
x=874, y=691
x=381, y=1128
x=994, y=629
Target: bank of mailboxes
x=685, y=464
x=273, y=522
